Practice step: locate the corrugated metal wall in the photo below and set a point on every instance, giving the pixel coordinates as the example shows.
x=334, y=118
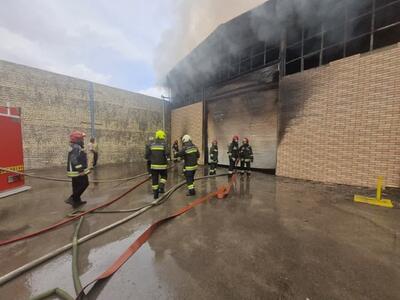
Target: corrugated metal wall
x=252, y=115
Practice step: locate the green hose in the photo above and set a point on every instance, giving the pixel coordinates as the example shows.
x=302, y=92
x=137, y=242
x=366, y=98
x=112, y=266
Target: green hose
x=56, y=292
x=60, y=293
x=77, y=284
x=75, y=273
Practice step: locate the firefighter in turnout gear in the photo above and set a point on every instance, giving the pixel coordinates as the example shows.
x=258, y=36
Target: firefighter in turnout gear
x=175, y=150
x=233, y=154
x=77, y=168
x=246, y=157
x=190, y=154
x=213, y=157
x=158, y=155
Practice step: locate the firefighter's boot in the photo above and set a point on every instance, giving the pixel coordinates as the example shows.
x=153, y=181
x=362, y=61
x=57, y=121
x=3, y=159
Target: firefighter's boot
x=191, y=192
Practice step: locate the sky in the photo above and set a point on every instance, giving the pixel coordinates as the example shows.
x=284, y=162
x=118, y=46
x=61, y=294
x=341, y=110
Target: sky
x=128, y=44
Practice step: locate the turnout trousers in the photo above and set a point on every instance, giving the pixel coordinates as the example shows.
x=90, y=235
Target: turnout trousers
x=232, y=165
x=189, y=175
x=79, y=185
x=159, y=179
x=245, y=167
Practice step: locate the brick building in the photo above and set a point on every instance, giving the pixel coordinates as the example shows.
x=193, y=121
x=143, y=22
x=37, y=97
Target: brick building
x=315, y=86
x=53, y=105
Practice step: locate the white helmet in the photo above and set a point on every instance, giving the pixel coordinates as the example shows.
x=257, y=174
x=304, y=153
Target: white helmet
x=186, y=138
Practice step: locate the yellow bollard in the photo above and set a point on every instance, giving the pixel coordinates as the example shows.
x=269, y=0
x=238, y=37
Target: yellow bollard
x=375, y=201
x=379, y=188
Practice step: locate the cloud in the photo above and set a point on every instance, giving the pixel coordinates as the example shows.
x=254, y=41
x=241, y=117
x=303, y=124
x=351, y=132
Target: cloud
x=84, y=39
x=81, y=71
x=24, y=51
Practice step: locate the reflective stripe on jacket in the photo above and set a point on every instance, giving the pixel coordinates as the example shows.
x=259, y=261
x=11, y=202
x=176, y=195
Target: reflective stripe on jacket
x=157, y=153
x=233, y=150
x=77, y=161
x=214, y=154
x=190, y=153
x=246, y=153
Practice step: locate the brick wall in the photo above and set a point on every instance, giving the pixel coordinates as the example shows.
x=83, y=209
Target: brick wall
x=188, y=120
x=53, y=105
x=341, y=123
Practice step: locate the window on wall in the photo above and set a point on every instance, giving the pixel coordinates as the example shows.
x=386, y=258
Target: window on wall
x=257, y=61
x=293, y=67
x=381, y=3
x=358, y=45
x=245, y=66
x=311, y=61
x=387, y=15
x=258, y=55
x=272, y=54
x=312, y=45
x=333, y=36
x=387, y=23
x=333, y=53
x=293, y=52
x=312, y=30
x=350, y=28
x=387, y=37
x=359, y=26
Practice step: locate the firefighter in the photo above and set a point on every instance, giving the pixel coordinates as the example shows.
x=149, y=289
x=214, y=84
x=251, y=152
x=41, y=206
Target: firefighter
x=213, y=157
x=233, y=153
x=77, y=168
x=158, y=154
x=190, y=154
x=175, y=150
x=93, y=153
x=246, y=157
x=146, y=153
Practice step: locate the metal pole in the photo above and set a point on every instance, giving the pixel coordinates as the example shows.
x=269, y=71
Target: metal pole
x=91, y=109
x=163, y=114
x=204, y=125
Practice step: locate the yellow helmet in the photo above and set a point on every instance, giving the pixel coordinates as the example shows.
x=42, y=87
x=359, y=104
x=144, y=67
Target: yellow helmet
x=160, y=134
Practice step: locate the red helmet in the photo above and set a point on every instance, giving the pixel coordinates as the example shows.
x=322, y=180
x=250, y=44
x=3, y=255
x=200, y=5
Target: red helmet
x=235, y=137
x=76, y=136
x=246, y=140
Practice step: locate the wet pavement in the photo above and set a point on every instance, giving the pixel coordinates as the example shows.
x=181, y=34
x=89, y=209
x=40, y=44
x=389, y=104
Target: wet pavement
x=272, y=238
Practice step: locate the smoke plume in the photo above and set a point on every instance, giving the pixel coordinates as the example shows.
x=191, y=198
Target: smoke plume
x=195, y=20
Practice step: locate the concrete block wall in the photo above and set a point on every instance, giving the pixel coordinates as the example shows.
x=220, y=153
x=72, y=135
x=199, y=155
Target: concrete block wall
x=341, y=123
x=188, y=120
x=53, y=105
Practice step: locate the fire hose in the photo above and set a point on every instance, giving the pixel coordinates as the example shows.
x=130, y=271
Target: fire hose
x=70, y=219
x=220, y=193
x=73, y=217
x=69, y=180
x=75, y=274
x=138, y=211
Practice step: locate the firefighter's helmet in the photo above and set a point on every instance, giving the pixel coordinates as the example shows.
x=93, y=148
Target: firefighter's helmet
x=76, y=136
x=160, y=134
x=186, y=138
